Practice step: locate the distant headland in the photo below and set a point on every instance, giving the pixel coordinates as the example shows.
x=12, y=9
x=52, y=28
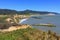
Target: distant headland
x=27, y=12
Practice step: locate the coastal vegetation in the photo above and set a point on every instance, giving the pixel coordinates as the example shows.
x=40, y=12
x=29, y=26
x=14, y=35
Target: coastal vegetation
x=28, y=34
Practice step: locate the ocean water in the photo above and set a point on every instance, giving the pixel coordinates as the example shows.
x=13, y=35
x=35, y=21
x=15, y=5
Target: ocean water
x=45, y=19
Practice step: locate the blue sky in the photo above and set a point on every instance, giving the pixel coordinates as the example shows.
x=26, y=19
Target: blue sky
x=39, y=5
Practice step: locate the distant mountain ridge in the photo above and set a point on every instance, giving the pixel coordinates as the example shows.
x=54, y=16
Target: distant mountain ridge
x=9, y=11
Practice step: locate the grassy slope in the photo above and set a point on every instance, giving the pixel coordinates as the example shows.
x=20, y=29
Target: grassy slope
x=25, y=34
x=22, y=34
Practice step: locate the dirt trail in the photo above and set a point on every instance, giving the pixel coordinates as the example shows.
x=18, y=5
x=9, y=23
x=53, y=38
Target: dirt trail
x=12, y=28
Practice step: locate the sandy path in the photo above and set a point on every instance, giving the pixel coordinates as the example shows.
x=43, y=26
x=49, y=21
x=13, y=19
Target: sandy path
x=12, y=28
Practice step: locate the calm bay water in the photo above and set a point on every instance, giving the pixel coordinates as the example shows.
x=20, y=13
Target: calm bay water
x=45, y=19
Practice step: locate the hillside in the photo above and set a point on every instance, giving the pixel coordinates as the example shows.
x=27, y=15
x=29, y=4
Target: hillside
x=28, y=34
x=9, y=11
